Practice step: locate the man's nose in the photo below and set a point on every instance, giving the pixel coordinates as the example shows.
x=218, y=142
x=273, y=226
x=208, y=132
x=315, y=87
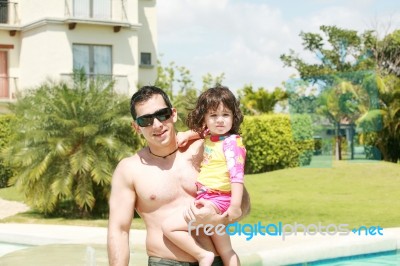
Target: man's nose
x=157, y=123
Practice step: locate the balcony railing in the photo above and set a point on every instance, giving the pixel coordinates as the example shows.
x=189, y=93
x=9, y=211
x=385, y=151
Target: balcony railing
x=8, y=88
x=8, y=13
x=121, y=83
x=108, y=10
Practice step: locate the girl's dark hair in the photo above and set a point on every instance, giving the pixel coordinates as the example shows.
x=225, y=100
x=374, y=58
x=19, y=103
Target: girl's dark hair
x=210, y=100
x=144, y=94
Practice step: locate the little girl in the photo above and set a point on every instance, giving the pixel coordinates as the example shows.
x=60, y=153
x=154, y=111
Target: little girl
x=217, y=118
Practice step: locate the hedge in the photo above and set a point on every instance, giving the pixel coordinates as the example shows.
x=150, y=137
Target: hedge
x=5, y=133
x=277, y=141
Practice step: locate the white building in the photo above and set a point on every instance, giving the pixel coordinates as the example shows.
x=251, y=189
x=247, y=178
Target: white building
x=41, y=39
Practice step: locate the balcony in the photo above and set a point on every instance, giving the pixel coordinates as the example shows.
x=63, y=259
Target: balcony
x=97, y=10
x=121, y=83
x=8, y=13
x=8, y=88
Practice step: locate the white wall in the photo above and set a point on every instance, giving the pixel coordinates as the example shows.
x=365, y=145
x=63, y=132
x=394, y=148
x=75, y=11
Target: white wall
x=148, y=39
x=51, y=45
x=33, y=10
x=44, y=50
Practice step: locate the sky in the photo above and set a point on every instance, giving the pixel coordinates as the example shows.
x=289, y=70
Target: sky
x=244, y=39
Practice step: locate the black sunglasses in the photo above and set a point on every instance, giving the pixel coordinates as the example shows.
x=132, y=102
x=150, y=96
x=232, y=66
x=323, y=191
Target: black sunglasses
x=148, y=120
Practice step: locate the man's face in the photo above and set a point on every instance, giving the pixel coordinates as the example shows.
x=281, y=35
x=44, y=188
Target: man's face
x=159, y=132
x=219, y=121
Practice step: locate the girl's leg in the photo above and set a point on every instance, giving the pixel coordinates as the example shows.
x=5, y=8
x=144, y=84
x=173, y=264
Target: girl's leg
x=222, y=244
x=175, y=229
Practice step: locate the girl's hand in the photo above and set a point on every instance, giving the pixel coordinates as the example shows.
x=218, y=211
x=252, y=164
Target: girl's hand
x=233, y=213
x=182, y=139
x=203, y=212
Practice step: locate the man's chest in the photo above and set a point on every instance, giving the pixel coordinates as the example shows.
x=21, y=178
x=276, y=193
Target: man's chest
x=156, y=186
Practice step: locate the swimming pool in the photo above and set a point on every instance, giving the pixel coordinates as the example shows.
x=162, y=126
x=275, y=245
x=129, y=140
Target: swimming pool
x=10, y=247
x=64, y=255
x=388, y=258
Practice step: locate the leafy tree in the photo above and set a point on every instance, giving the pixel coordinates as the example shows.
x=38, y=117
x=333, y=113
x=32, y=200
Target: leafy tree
x=381, y=122
x=302, y=97
x=338, y=51
x=386, y=52
x=343, y=102
x=260, y=101
x=343, y=56
x=210, y=81
x=166, y=78
x=67, y=140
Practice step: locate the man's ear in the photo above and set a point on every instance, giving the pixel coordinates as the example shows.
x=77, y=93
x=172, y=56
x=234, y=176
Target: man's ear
x=136, y=127
x=174, y=115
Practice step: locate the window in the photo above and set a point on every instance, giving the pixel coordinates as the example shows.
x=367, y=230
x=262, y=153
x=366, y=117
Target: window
x=145, y=59
x=3, y=11
x=99, y=9
x=94, y=59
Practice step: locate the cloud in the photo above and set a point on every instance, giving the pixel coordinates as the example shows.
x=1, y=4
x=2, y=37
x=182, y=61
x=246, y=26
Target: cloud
x=244, y=39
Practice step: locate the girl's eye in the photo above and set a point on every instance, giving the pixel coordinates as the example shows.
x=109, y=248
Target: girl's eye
x=227, y=115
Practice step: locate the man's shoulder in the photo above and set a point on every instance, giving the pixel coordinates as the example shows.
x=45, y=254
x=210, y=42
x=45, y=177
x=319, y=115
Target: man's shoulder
x=129, y=167
x=131, y=162
x=193, y=146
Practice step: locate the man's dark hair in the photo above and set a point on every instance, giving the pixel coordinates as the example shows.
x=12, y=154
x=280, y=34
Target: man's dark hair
x=144, y=94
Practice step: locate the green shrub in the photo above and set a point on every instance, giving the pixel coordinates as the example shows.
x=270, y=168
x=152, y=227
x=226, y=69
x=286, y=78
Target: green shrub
x=317, y=146
x=276, y=141
x=5, y=132
x=67, y=140
x=303, y=136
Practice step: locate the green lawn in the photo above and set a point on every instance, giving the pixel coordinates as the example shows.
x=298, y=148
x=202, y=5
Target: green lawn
x=347, y=192
x=10, y=194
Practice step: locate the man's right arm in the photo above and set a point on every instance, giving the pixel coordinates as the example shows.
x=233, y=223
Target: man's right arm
x=121, y=204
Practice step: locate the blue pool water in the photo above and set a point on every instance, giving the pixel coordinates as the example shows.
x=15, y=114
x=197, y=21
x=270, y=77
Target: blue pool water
x=389, y=258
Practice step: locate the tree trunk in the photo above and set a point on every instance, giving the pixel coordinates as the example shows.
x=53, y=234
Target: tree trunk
x=351, y=136
x=338, y=150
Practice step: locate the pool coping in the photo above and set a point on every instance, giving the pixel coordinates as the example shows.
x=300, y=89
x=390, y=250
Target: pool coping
x=301, y=248
x=261, y=250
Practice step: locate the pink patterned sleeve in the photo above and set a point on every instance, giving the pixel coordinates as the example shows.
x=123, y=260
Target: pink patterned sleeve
x=235, y=154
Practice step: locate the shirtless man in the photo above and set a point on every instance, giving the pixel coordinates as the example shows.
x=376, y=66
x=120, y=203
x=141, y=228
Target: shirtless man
x=158, y=181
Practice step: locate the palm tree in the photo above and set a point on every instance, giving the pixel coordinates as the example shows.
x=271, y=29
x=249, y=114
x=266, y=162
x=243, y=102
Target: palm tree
x=67, y=140
x=381, y=122
x=344, y=101
x=260, y=101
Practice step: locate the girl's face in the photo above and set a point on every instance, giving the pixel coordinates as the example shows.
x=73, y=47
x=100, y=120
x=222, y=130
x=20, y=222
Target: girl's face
x=219, y=121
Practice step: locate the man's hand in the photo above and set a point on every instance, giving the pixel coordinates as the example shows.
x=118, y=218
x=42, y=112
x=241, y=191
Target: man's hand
x=203, y=212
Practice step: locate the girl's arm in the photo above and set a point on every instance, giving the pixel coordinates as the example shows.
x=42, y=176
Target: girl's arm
x=182, y=138
x=234, y=210
x=235, y=154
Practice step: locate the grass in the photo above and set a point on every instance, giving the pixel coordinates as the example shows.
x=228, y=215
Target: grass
x=11, y=193
x=36, y=218
x=346, y=192
x=328, y=192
